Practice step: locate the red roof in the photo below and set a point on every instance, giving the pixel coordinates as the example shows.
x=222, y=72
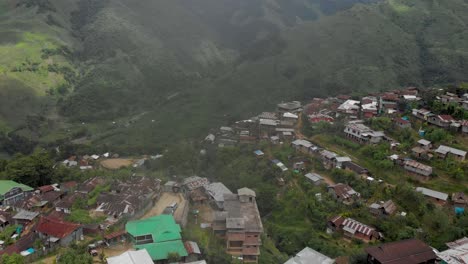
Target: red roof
x=46, y=188
x=337, y=220
x=446, y=117
x=60, y=216
x=390, y=97
x=55, y=227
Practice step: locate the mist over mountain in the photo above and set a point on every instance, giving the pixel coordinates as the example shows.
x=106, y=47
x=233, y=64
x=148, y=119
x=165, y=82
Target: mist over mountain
x=153, y=71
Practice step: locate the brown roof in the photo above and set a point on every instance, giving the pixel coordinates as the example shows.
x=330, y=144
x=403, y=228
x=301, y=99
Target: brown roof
x=389, y=207
x=343, y=190
x=23, y=243
x=46, y=188
x=115, y=234
x=55, y=227
x=411, y=251
x=459, y=197
x=446, y=117
x=68, y=185
x=51, y=196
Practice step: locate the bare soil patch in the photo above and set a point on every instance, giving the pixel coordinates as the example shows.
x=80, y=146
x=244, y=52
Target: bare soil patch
x=115, y=164
x=164, y=201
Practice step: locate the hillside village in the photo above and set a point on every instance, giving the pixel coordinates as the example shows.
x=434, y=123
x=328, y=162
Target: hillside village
x=351, y=152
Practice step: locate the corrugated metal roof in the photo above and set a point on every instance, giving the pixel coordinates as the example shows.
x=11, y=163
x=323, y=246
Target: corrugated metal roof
x=309, y=256
x=313, y=177
x=131, y=257
x=432, y=193
x=161, y=227
x=446, y=149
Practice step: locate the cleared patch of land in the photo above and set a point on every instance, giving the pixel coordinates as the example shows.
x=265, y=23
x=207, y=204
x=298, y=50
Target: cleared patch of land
x=113, y=251
x=114, y=164
x=163, y=202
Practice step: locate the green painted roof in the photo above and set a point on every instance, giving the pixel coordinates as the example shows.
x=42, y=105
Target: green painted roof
x=159, y=251
x=161, y=227
x=6, y=186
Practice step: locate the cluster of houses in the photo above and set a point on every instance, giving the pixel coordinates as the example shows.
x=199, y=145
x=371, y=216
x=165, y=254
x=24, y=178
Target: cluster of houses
x=446, y=121
x=275, y=126
x=86, y=162
x=408, y=251
x=42, y=214
x=236, y=216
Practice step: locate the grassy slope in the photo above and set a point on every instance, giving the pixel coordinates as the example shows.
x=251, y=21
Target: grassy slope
x=228, y=59
x=24, y=71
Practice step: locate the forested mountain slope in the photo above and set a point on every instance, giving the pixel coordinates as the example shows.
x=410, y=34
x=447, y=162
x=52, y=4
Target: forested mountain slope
x=168, y=69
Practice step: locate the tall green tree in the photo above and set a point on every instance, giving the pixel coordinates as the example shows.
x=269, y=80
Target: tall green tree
x=34, y=170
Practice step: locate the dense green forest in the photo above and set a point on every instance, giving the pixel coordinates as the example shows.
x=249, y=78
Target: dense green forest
x=137, y=74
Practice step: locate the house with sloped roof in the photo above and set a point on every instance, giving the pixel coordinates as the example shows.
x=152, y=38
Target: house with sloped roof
x=11, y=192
x=402, y=123
x=442, y=121
x=460, y=199
x=349, y=107
x=457, y=252
x=343, y=193
x=310, y=256
x=383, y=208
x=410, y=251
x=159, y=235
x=192, y=183
x=293, y=107
x=352, y=228
x=66, y=203
x=216, y=191
x=422, y=113
x=356, y=168
x=24, y=217
x=131, y=257
x=301, y=145
x=357, y=131
x=339, y=161
x=435, y=196
x=445, y=151
x=314, y=178
x=25, y=242
x=57, y=231
x=418, y=168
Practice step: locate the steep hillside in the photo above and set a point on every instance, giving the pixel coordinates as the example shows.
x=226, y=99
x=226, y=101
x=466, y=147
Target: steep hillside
x=164, y=70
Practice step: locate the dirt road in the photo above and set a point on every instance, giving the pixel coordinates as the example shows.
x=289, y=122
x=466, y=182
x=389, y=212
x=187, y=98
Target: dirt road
x=165, y=200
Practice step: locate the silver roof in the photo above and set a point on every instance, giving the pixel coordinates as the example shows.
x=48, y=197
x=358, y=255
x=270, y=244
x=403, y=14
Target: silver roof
x=217, y=191
x=432, y=193
x=309, y=256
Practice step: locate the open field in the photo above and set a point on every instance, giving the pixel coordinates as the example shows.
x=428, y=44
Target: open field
x=165, y=200
x=115, y=164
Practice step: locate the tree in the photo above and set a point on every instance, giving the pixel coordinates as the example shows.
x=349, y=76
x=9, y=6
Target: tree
x=173, y=257
x=34, y=170
x=75, y=254
x=266, y=199
x=13, y=259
